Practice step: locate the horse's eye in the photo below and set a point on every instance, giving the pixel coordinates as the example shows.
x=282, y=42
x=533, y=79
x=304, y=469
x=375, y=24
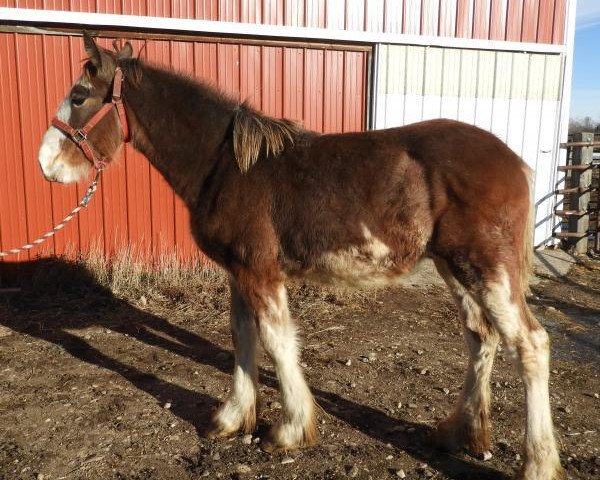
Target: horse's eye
x=77, y=99
x=91, y=69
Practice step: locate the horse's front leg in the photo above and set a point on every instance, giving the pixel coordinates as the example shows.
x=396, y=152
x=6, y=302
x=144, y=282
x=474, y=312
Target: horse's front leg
x=297, y=427
x=239, y=410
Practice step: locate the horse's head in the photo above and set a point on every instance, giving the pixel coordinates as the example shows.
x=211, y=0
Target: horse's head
x=75, y=143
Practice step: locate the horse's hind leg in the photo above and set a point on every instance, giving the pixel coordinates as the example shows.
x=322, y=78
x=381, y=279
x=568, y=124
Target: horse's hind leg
x=468, y=426
x=504, y=303
x=239, y=410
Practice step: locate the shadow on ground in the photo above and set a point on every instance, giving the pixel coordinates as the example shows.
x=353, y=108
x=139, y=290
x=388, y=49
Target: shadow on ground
x=71, y=298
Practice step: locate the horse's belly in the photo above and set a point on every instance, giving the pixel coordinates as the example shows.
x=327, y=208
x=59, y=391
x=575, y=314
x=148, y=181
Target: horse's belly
x=353, y=270
x=368, y=265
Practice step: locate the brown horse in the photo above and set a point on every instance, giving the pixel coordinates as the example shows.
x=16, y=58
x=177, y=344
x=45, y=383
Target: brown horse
x=270, y=200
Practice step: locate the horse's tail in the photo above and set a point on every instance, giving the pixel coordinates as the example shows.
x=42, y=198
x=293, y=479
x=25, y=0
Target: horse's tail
x=526, y=257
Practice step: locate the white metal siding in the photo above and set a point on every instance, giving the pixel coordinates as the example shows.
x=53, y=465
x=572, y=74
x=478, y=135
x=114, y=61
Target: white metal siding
x=514, y=95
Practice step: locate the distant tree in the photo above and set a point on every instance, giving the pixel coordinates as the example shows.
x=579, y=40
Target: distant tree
x=585, y=124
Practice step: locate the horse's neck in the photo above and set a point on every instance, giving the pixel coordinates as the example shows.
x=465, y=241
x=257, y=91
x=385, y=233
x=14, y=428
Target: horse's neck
x=179, y=127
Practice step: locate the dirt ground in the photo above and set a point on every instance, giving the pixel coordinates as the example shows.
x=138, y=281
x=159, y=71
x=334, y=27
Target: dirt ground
x=96, y=386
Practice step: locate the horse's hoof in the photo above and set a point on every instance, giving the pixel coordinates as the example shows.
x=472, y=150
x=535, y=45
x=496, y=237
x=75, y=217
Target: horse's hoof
x=268, y=446
x=284, y=437
x=272, y=444
x=536, y=473
x=216, y=430
x=226, y=422
x=214, y=433
x=455, y=438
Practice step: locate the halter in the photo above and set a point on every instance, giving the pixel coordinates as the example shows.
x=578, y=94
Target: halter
x=79, y=135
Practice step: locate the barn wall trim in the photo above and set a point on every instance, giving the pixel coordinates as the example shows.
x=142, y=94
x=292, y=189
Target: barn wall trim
x=240, y=30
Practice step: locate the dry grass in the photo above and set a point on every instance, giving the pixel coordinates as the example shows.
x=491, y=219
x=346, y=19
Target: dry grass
x=167, y=280
x=127, y=272
x=129, y=276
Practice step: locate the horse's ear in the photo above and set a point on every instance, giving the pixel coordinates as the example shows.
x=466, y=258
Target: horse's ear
x=126, y=51
x=92, y=50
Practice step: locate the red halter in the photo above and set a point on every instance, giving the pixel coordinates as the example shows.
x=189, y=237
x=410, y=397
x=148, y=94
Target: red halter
x=79, y=135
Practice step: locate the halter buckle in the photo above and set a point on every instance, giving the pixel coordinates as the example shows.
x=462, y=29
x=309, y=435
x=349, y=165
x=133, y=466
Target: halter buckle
x=79, y=136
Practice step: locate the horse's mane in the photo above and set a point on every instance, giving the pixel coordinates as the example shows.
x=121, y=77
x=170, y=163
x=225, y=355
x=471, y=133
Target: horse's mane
x=254, y=133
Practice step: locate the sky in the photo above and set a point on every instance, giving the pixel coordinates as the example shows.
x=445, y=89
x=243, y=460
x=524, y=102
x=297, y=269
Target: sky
x=585, y=98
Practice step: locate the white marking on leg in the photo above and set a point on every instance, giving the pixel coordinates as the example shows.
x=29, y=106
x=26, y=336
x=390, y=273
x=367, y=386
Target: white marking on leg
x=540, y=445
x=506, y=314
x=476, y=389
x=239, y=410
x=530, y=348
x=472, y=409
x=280, y=340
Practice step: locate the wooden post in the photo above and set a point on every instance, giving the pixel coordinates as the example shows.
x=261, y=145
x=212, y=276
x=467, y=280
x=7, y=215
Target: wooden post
x=580, y=201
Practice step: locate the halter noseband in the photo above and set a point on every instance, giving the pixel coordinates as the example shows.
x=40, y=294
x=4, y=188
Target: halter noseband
x=79, y=135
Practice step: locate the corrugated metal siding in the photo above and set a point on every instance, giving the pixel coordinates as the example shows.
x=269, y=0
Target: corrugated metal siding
x=514, y=95
x=325, y=90
x=540, y=21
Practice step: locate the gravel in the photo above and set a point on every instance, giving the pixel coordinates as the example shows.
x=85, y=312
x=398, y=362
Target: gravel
x=352, y=471
x=242, y=468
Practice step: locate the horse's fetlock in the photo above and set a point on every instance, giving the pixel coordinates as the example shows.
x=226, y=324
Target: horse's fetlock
x=455, y=434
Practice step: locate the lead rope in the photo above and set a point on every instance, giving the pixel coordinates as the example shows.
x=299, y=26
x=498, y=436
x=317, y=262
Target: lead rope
x=89, y=193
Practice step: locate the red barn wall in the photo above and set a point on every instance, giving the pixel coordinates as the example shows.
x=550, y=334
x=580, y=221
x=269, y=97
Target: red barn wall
x=323, y=89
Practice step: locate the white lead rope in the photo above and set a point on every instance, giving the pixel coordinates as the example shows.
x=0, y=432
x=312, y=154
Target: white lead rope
x=89, y=193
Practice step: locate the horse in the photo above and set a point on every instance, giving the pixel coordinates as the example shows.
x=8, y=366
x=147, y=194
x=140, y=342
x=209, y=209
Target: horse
x=270, y=201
